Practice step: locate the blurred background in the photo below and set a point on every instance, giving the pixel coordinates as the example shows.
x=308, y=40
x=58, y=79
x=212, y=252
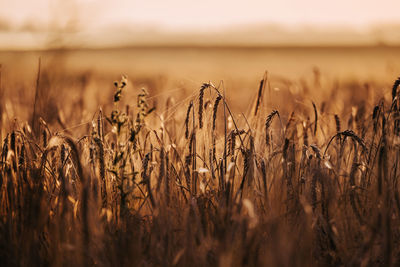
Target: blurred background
x=54, y=24
x=179, y=44
x=229, y=35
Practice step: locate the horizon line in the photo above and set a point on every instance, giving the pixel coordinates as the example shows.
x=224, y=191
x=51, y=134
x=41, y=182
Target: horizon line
x=203, y=46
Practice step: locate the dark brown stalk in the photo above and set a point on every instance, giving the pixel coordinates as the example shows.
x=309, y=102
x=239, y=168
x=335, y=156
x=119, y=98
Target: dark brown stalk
x=337, y=122
x=187, y=120
x=215, y=110
x=100, y=126
x=201, y=105
x=225, y=137
x=268, y=122
x=167, y=180
x=33, y=121
x=316, y=118
x=264, y=179
x=102, y=171
x=194, y=157
x=260, y=94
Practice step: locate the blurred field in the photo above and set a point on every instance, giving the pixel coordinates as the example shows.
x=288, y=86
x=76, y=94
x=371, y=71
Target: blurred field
x=231, y=64
x=179, y=69
x=199, y=158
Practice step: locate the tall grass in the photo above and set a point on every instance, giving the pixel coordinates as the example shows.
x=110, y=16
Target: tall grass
x=151, y=187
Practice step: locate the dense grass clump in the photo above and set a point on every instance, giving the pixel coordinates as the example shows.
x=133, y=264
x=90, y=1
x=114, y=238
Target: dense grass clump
x=196, y=184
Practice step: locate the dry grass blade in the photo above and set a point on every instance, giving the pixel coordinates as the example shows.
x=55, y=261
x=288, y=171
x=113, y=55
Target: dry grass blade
x=260, y=94
x=187, y=119
x=268, y=122
x=215, y=110
x=315, y=119
x=201, y=97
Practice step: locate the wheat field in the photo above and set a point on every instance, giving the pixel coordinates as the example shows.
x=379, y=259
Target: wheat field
x=203, y=164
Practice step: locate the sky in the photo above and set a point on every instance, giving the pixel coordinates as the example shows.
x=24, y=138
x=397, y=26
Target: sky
x=43, y=23
x=198, y=15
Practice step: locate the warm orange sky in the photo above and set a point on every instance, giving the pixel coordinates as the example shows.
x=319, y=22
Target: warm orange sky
x=41, y=24
x=203, y=15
